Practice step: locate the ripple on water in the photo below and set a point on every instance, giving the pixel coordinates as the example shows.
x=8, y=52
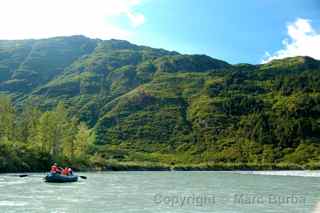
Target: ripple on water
x=13, y=203
x=7, y=183
x=284, y=173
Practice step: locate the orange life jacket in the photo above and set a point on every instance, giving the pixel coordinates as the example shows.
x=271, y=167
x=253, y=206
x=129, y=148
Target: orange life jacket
x=65, y=171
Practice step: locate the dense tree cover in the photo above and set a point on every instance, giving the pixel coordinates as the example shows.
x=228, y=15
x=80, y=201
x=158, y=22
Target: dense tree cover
x=31, y=140
x=132, y=105
x=237, y=115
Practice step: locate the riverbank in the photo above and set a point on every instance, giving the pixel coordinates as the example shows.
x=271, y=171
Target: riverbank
x=151, y=166
x=147, y=166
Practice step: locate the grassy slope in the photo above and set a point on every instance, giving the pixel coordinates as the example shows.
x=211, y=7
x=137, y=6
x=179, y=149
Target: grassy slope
x=161, y=107
x=231, y=116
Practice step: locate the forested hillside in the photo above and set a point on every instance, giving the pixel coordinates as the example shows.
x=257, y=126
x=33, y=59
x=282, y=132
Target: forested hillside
x=97, y=104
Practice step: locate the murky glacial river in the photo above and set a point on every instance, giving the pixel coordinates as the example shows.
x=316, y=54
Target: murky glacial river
x=183, y=192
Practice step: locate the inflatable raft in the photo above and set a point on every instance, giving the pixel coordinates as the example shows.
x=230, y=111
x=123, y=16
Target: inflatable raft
x=57, y=178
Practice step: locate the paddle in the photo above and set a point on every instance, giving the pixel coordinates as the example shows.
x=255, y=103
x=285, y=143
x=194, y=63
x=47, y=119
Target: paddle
x=25, y=175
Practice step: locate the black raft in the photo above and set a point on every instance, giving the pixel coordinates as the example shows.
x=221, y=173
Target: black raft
x=57, y=178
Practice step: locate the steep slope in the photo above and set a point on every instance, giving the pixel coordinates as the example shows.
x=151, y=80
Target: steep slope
x=155, y=105
x=12, y=54
x=111, y=70
x=28, y=64
x=252, y=114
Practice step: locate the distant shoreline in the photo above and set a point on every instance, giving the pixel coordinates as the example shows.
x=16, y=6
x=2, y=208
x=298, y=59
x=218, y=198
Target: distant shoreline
x=147, y=166
x=209, y=167
x=164, y=170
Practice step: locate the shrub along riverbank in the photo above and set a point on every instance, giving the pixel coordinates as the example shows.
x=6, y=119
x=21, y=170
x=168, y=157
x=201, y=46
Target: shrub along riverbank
x=147, y=166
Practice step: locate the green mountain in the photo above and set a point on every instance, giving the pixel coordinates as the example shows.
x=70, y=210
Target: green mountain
x=152, y=105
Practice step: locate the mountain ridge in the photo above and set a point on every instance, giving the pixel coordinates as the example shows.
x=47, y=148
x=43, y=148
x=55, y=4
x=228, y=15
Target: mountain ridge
x=157, y=105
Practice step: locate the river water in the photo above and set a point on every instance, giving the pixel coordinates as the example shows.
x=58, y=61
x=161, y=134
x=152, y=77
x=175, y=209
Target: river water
x=168, y=192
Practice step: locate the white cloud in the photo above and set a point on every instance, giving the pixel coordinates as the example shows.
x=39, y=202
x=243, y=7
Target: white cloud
x=136, y=19
x=47, y=18
x=304, y=41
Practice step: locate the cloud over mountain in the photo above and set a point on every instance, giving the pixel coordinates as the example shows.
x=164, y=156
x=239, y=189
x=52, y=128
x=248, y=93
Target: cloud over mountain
x=303, y=40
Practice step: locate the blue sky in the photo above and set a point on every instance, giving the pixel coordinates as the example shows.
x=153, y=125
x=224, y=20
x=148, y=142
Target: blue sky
x=232, y=30
x=247, y=31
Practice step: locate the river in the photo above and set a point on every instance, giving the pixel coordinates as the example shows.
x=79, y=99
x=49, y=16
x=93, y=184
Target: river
x=167, y=192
